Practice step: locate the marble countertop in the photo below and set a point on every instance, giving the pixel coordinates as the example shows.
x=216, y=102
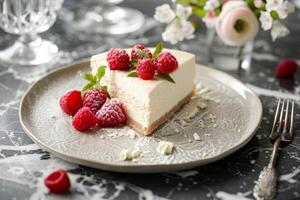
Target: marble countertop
x=23, y=164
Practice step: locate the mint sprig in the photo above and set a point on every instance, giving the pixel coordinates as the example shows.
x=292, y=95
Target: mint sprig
x=158, y=49
x=94, y=80
x=132, y=75
x=166, y=77
x=142, y=54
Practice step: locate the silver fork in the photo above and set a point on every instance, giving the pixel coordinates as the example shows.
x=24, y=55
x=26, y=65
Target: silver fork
x=281, y=134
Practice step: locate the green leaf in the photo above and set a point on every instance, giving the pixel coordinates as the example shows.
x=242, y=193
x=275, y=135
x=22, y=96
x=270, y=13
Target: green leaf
x=134, y=60
x=101, y=72
x=131, y=68
x=132, y=74
x=142, y=54
x=199, y=12
x=274, y=14
x=88, y=77
x=104, y=88
x=157, y=50
x=134, y=63
x=87, y=87
x=183, y=2
x=166, y=77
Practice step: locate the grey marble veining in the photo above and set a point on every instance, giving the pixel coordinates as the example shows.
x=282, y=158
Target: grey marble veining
x=24, y=164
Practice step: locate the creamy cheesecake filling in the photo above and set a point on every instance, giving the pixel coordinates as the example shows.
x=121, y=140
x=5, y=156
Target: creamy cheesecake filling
x=164, y=97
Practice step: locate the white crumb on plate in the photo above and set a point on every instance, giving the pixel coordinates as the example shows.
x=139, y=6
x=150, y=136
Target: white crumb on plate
x=202, y=105
x=126, y=154
x=196, y=137
x=165, y=147
x=193, y=113
x=131, y=133
x=136, y=153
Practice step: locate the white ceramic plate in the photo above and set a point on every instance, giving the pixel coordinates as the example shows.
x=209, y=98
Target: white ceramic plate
x=228, y=123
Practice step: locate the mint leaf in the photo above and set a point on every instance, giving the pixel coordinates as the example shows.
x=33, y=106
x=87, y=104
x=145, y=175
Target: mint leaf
x=100, y=72
x=104, y=88
x=88, y=87
x=134, y=60
x=131, y=68
x=88, y=77
x=157, y=50
x=132, y=74
x=166, y=77
x=142, y=54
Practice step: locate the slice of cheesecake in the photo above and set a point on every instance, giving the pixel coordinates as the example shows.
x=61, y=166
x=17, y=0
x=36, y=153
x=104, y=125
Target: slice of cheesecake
x=150, y=103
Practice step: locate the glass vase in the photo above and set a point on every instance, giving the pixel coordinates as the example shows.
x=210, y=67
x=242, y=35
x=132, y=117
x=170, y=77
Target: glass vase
x=225, y=57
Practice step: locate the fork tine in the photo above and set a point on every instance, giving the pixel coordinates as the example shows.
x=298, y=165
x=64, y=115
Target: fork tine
x=292, y=119
x=279, y=126
x=272, y=134
x=288, y=136
x=284, y=131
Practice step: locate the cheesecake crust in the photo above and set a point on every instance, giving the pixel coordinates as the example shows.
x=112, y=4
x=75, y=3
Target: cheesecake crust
x=148, y=131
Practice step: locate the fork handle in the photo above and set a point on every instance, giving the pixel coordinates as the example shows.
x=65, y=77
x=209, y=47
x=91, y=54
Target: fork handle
x=265, y=188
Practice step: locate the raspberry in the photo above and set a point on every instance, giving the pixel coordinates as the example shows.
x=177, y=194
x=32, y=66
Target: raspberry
x=118, y=59
x=143, y=49
x=71, y=102
x=166, y=63
x=111, y=114
x=145, y=69
x=286, y=68
x=84, y=119
x=58, y=181
x=94, y=99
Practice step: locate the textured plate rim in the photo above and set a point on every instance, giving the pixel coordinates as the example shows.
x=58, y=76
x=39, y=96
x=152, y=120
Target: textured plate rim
x=142, y=168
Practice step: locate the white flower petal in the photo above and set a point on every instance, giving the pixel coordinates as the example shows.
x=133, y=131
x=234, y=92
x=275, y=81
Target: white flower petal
x=183, y=11
x=164, y=13
x=188, y=29
x=211, y=5
x=279, y=30
x=266, y=21
x=177, y=31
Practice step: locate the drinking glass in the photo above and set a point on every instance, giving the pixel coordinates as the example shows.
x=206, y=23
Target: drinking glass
x=103, y=17
x=28, y=18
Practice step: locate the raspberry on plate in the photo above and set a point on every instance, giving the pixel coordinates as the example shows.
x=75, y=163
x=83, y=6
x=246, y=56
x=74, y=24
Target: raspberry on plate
x=145, y=69
x=118, y=59
x=94, y=99
x=71, y=102
x=84, y=119
x=58, y=181
x=141, y=47
x=166, y=63
x=111, y=114
x=286, y=68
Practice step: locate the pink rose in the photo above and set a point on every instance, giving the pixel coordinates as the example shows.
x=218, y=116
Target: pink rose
x=236, y=25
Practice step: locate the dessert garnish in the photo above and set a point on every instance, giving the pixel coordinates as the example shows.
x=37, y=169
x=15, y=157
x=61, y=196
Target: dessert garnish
x=94, y=99
x=92, y=106
x=148, y=66
x=84, y=119
x=58, y=181
x=111, y=114
x=118, y=59
x=286, y=68
x=71, y=102
x=139, y=49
